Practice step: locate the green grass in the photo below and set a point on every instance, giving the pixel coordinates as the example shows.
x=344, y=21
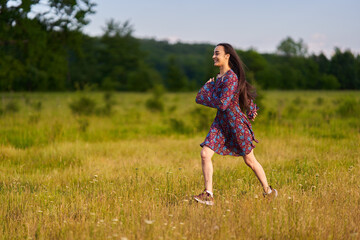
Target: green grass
x=130, y=173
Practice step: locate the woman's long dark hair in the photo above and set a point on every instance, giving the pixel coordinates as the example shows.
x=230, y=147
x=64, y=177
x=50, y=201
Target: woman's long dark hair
x=246, y=91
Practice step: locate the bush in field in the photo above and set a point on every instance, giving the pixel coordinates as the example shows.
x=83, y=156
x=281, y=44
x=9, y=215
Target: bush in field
x=259, y=99
x=319, y=101
x=292, y=110
x=83, y=124
x=12, y=107
x=156, y=103
x=271, y=115
x=202, y=118
x=83, y=106
x=178, y=126
x=54, y=131
x=34, y=118
x=37, y=106
x=348, y=108
x=297, y=100
x=107, y=109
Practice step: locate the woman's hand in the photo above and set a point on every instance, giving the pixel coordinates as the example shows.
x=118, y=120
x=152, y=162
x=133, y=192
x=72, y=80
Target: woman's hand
x=255, y=114
x=210, y=80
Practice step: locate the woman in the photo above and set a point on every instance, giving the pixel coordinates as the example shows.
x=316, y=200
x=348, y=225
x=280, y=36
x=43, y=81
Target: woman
x=231, y=132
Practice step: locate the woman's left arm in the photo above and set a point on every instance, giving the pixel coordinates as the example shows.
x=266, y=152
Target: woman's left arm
x=252, y=112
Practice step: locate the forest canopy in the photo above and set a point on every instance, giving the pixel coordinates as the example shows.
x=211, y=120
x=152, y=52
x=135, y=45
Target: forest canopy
x=43, y=48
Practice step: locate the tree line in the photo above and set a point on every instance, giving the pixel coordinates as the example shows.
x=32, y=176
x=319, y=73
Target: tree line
x=40, y=52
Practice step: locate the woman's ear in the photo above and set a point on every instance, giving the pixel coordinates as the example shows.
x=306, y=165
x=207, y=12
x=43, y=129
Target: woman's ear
x=227, y=56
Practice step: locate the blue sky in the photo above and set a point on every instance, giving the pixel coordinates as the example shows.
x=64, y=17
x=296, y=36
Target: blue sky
x=260, y=24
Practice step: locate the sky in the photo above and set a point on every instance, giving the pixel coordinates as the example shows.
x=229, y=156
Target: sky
x=260, y=24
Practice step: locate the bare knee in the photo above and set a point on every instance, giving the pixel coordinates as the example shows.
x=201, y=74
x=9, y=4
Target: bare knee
x=250, y=160
x=205, y=155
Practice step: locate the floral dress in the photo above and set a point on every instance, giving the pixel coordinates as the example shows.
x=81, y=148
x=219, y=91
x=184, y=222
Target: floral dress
x=231, y=132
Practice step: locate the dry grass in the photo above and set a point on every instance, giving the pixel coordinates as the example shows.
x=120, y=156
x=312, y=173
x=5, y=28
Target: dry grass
x=93, y=185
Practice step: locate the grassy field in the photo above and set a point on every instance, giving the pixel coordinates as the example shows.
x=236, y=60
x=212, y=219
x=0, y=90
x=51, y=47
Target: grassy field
x=126, y=168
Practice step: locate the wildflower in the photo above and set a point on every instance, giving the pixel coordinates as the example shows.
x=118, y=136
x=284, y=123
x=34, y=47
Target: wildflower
x=149, y=221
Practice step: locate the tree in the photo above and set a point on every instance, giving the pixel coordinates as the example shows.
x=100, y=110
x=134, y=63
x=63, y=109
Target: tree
x=176, y=79
x=323, y=62
x=344, y=68
x=289, y=47
x=55, y=14
x=119, y=54
x=37, y=42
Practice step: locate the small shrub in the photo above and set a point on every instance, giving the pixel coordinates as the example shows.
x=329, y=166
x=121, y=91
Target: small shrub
x=55, y=131
x=21, y=139
x=12, y=107
x=201, y=118
x=271, y=115
x=297, y=100
x=260, y=98
x=348, y=108
x=172, y=109
x=156, y=103
x=34, y=118
x=319, y=101
x=292, y=111
x=27, y=100
x=83, y=124
x=107, y=109
x=83, y=106
x=177, y=126
x=37, y=106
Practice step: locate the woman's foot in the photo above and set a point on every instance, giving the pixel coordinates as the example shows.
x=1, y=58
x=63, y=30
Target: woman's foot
x=205, y=198
x=271, y=193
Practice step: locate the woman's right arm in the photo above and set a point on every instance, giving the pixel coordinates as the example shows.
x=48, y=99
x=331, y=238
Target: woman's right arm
x=221, y=100
x=205, y=94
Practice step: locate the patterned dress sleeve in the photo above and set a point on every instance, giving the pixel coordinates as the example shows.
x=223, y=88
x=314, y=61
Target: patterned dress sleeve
x=253, y=109
x=205, y=94
x=218, y=95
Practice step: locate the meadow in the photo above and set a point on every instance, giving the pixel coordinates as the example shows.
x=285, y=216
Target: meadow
x=99, y=165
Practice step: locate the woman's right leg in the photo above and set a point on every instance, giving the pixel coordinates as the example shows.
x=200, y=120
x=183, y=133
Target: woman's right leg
x=207, y=167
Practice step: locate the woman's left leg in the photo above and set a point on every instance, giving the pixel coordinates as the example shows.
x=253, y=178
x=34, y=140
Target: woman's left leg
x=251, y=161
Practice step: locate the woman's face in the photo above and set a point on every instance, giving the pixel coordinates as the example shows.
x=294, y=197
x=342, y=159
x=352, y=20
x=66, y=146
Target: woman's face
x=219, y=57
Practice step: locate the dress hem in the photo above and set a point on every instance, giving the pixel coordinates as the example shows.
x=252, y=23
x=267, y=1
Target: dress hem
x=232, y=153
